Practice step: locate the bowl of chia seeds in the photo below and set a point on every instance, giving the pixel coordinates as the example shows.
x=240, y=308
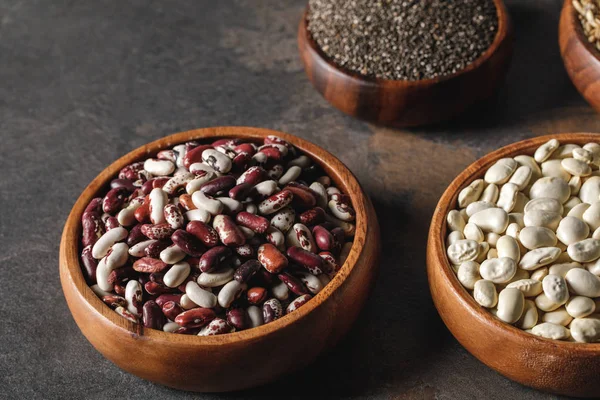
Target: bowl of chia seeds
x=405, y=62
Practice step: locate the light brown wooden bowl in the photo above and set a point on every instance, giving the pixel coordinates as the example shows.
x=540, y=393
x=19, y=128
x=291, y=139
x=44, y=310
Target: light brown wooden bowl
x=242, y=359
x=581, y=59
x=408, y=103
x=554, y=366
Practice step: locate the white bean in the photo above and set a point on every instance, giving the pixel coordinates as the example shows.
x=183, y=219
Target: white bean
x=592, y=215
x=510, y=305
x=555, y=289
x=491, y=220
x=468, y=274
x=485, y=293
x=576, y=167
x=106, y=241
x=454, y=219
x=529, y=287
x=549, y=330
x=177, y=274
x=507, y=246
x=583, y=283
x=534, y=237
x=521, y=177
x=216, y=278
x=539, y=257
x=585, y=330
x=590, y=190
x=200, y=296
x=508, y=197
x=159, y=167
x=580, y=306
x=209, y=204
x=472, y=232
x=550, y=187
x=545, y=151
x=501, y=171
x=585, y=250
x=529, y=318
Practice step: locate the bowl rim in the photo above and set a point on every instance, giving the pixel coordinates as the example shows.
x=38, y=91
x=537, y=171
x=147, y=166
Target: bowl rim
x=438, y=231
x=577, y=29
x=502, y=33
x=70, y=240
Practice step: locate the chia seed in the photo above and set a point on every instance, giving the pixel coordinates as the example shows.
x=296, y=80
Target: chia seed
x=403, y=39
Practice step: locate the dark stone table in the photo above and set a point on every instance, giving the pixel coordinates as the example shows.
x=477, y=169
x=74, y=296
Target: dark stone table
x=83, y=82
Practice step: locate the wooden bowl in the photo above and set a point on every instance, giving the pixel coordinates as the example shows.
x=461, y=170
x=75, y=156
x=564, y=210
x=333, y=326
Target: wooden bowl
x=560, y=367
x=581, y=58
x=242, y=359
x=408, y=103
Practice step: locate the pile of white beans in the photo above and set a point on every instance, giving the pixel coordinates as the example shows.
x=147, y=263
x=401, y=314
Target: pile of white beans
x=525, y=241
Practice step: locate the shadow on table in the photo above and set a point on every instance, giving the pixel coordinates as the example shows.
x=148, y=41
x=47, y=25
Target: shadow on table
x=396, y=334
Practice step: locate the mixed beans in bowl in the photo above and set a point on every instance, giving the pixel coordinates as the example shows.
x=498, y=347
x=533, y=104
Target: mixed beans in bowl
x=274, y=246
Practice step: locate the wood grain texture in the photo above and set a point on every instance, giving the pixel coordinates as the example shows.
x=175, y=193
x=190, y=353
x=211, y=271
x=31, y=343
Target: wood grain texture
x=409, y=103
x=549, y=365
x=581, y=59
x=242, y=359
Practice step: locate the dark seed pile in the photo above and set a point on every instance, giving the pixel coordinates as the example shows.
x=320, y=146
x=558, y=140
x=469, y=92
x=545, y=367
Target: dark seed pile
x=403, y=39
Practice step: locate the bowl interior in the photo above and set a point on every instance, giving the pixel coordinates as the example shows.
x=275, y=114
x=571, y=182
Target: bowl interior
x=448, y=202
x=501, y=34
x=340, y=175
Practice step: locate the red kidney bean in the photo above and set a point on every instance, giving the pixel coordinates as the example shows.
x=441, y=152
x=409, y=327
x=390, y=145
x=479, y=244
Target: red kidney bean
x=142, y=213
x=312, y=262
x=221, y=184
x=194, y=155
x=303, y=198
x=95, y=206
x=121, y=274
x=188, y=243
x=195, y=318
x=213, y=257
x=242, y=161
x=240, y=192
x=154, y=249
x=149, y=265
x=275, y=202
x=185, y=200
x=168, y=297
x=157, y=231
x=255, y=222
x=152, y=316
x=203, y=232
x=245, y=148
x=114, y=301
x=272, y=139
x=229, y=233
x=156, y=289
x=111, y=223
x=125, y=183
x=131, y=171
x=297, y=303
x=294, y=284
x=171, y=309
x=119, y=290
x=236, y=317
x=246, y=271
x=252, y=176
x=330, y=264
x=323, y=238
x=227, y=142
x=114, y=200
x=271, y=258
x=166, y=155
x=313, y=216
x=147, y=187
x=90, y=264
x=245, y=250
x=272, y=310
x=187, y=331
x=135, y=236
x=158, y=183
x=157, y=277
x=340, y=237
x=256, y=295
x=92, y=228
x=272, y=153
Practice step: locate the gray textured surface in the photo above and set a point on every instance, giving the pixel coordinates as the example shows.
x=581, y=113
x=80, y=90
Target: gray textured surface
x=82, y=83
